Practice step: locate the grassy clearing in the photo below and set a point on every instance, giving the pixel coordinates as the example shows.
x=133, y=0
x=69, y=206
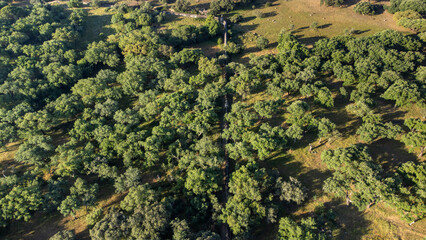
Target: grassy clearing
x=97, y=26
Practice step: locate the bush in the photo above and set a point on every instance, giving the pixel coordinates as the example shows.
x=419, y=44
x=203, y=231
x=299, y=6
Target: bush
x=94, y=216
x=258, y=14
x=404, y=5
x=182, y=5
x=63, y=235
x=233, y=48
x=236, y=18
x=422, y=36
x=95, y=3
x=410, y=14
x=365, y=8
x=418, y=25
x=262, y=42
x=334, y=3
x=75, y=3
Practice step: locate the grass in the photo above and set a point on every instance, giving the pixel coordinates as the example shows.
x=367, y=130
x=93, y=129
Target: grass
x=332, y=21
x=97, y=26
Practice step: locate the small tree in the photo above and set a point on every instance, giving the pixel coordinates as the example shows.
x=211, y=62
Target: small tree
x=262, y=42
x=63, y=235
x=182, y=5
x=365, y=8
x=75, y=3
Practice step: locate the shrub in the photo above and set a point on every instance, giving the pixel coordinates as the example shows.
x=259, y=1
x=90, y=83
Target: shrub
x=410, y=14
x=262, y=42
x=233, y=48
x=418, y=25
x=258, y=14
x=75, y=3
x=182, y=5
x=95, y=3
x=422, y=36
x=334, y=3
x=404, y=5
x=365, y=8
x=235, y=18
x=94, y=216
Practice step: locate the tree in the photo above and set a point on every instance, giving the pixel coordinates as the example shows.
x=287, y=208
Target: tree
x=102, y=52
x=306, y=230
x=131, y=178
x=365, y=8
x=203, y=181
x=137, y=197
x=20, y=202
x=212, y=25
x=335, y=3
x=291, y=191
x=416, y=137
x=149, y=221
x=111, y=227
x=69, y=206
x=324, y=97
x=371, y=130
x=403, y=93
x=80, y=194
x=182, y=5
x=356, y=177
x=75, y=3
x=35, y=150
x=244, y=208
x=262, y=42
x=265, y=108
x=326, y=129
x=63, y=235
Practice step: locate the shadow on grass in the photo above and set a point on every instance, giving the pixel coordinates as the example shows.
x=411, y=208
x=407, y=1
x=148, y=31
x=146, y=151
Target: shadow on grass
x=269, y=14
x=349, y=3
x=350, y=222
x=358, y=32
x=325, y=26
x=247, y=28
x=309, y=40
x=390, y=154
x=94, y=29
x=247, y=19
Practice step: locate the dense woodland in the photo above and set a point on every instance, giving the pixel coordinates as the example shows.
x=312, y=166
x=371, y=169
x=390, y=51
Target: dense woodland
x=142, y=112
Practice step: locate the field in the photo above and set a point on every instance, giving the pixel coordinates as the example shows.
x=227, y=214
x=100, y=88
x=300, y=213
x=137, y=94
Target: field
x=301, y=13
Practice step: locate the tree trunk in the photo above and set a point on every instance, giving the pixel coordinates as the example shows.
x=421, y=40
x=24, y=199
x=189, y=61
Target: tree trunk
x=422, y=150
x=348, y=200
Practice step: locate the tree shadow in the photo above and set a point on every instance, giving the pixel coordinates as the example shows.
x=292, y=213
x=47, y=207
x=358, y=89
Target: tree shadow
x=352, y=224
x=358, y=32
x=247, y=19
x=349, y=3
x=313, y=180
x=309, y=40
x=247, y=28
x=40, y=226
x=201, y=6
x=390, y=154
x=324, y=26
x=269, y=14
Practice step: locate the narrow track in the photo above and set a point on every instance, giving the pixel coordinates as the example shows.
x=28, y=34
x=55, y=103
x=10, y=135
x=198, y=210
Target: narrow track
x=227, y=101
